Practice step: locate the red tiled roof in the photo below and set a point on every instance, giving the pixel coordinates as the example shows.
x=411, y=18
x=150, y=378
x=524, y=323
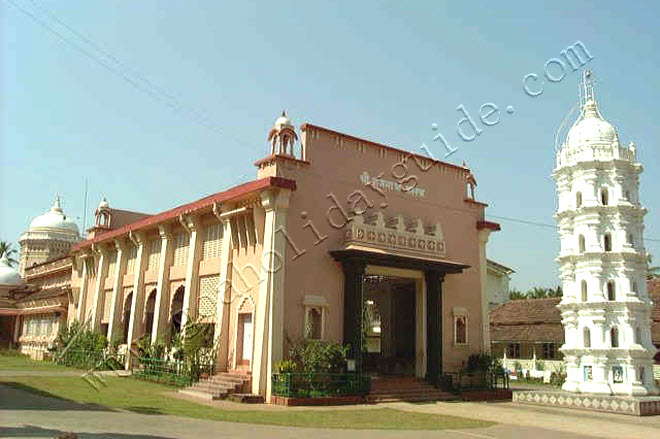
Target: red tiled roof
x=527, y=320
x=234, y=192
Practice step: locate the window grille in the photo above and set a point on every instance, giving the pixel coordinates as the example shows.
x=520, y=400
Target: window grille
x=112, y=263
x=213, y=241
x=154, y=254
x=107, y=306
x=132, y=256
x=181, y=249
x=208, y=298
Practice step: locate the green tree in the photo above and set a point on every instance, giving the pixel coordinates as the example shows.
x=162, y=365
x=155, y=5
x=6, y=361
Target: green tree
x=5, y=249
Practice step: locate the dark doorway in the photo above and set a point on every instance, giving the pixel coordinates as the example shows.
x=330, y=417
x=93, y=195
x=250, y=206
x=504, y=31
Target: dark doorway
x=389, y=325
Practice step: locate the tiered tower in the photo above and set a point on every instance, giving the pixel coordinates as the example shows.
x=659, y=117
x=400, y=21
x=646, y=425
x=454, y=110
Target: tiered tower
x=605, y=306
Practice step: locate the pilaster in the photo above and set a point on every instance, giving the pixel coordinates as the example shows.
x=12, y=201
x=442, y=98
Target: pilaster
x=161, y=307
x=84, y=287
x=269, y=315
x=137, y=303
x=190, y=298
x=224, y=299
x=117, y=289
x=101, y=274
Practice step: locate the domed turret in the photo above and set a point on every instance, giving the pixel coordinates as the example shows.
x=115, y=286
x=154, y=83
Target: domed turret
x=591, y=129
x=282, y=136
x=8, y=275
x=54, y=219
x=49, y=235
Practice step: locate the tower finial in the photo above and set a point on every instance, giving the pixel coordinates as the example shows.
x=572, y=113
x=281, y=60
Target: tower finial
x=587, y=87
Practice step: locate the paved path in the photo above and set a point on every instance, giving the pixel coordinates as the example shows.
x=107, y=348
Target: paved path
x=24, y=414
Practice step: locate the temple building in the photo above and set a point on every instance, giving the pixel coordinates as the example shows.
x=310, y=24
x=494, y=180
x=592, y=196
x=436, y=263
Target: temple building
x=605, y=306
x=333, y=225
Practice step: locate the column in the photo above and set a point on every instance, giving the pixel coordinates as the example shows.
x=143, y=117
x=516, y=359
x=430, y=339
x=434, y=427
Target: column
x=483, y=280
x=434, y=326
x=269, y=313
x=141, y=258
x=82, y=296
x=224, y=299
x=161, y=307
x=190, y=298
x=353, y=304
x=117, y=290
x=101, y=274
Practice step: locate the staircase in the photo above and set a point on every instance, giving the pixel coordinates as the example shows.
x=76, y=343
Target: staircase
x=410, y=389
x=220, y=385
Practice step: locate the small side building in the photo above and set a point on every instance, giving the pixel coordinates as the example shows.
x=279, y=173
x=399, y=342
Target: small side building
x=526, y=330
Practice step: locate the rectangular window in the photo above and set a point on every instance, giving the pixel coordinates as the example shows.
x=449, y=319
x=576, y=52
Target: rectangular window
x=213, y=241
x=131, y=255
x=460, y=330
x=513, y=350
x=112, y=263
x=549, y=351
x=181, y=243
x=314, y=322
x=154, y=254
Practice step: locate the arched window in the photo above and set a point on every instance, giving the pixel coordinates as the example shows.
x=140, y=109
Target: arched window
x=633, y=286
x=149, y=312
x=629, y=238
x=584, y=291
x=611, y=291
x=628, y=196
x=638, y=335
x=586, y=337
x=128, y=305
x=604, y=197
x=578, y=199
x=582, y=244
x=177, y=310
x=607, y=242
x=614, y=337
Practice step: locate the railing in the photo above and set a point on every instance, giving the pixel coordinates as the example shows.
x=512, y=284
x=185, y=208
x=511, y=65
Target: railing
x=176, y=373
x=460, y=381
x=304, y=385
x=84, y=359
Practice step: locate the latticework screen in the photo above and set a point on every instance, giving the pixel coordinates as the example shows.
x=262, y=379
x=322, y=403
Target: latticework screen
x=208, y=298
x=213, y=241
x=112, y=263
x=154, y=254
x=107, y=306
x=181, y=243
x=131, y=255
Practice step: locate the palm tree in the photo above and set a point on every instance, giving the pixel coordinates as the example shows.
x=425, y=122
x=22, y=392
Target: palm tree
x=5, y=249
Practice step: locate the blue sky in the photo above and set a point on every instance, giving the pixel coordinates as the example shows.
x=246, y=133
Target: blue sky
x=381, y=70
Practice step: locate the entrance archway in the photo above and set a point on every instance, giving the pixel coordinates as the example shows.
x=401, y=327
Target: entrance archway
x=149, y=312
x=389, y=325
x=176, y=314
x=126, y=316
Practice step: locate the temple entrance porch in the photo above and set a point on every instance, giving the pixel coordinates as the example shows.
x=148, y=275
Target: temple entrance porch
x=390, y=325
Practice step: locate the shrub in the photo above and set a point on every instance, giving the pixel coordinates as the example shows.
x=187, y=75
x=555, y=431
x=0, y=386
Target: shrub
x=316, y=356
x=484, y=363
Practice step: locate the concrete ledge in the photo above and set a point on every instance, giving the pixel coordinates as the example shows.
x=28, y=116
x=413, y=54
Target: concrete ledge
x=340, y=400
x=203, y=396
x=632, y=405
x=487, y=395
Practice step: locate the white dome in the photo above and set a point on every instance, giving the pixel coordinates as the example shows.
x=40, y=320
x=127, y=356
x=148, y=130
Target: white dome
x=54, y=219
x=591, y=129
x=283, y=120
x=103, y=203
x=8, y=275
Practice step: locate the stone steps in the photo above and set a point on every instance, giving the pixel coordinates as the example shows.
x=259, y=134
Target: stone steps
x=219, y=386
x=409, y=389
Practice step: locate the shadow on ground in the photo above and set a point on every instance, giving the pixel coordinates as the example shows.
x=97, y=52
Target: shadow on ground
x=35, y=431
x=18, y=396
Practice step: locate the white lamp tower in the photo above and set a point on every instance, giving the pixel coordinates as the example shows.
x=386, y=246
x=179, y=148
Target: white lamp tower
x=605, y=306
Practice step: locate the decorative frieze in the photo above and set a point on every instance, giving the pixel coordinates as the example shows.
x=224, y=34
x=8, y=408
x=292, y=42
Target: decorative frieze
x=396, y=234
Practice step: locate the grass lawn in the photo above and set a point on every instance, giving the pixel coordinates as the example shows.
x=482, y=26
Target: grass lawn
x=24, y=363
x=151, y=398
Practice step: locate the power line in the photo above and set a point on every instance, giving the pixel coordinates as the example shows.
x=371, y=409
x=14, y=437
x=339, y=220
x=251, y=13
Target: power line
x=122, y=70
x=544, y=225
